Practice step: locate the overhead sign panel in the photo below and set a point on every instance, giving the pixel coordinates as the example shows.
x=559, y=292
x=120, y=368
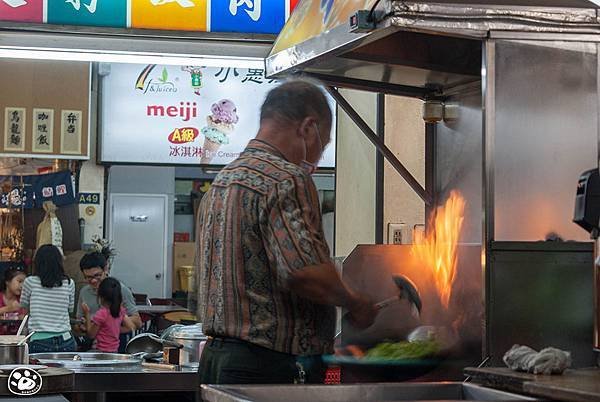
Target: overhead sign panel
x=153, y=114
x=22, y=10
x=105, y=13
x=169, y=14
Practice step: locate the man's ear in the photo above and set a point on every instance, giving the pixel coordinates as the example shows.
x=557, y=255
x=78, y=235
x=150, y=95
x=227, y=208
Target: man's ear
x=306, y=126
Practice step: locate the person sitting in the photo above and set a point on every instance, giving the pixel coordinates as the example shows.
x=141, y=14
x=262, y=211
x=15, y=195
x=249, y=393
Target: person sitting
x=110, y=320
x=10, y=300
x=94, y=268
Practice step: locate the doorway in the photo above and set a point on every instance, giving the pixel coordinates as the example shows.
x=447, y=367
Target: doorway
x=138, y=229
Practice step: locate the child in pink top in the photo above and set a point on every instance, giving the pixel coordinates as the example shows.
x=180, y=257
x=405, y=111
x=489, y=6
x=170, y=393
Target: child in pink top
x=10, y=298
x=105, y=326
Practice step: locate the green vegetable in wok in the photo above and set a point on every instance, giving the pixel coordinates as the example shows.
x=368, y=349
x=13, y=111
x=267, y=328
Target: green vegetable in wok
x=404, y=350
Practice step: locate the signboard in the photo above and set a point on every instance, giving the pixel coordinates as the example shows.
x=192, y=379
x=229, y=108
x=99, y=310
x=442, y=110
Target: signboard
x=153, y=114
x=169, y=14
x=105, y=13
x=312, y=17
x=89, y=198
x=247, y=16
x=49, y=123
x=258, y=16
x=22, y=10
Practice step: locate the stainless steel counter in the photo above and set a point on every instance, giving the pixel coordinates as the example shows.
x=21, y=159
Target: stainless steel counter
x=135, y=379
x=94, y=384
x=426, y=392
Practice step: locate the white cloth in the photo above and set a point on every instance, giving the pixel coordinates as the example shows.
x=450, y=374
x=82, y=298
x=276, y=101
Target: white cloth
x=547, y=361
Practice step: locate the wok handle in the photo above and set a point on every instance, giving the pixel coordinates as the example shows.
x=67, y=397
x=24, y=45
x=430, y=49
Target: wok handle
x=387, y=302
x=172, y=344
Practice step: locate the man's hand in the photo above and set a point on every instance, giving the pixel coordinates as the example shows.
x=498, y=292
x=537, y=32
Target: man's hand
x=362, y=312
x=85, y=308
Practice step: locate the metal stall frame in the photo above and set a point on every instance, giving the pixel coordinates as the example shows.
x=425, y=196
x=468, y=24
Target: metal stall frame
x=488, y=106
x=489, y=135
x=332, y=56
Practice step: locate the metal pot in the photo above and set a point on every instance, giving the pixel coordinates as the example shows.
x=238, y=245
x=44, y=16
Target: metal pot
x=192, y=340
x=11, y=353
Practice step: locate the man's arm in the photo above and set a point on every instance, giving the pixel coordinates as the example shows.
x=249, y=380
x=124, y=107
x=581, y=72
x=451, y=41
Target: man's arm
x=323, y=285
x=295, y=240
x=136, y=321
x=130, y=307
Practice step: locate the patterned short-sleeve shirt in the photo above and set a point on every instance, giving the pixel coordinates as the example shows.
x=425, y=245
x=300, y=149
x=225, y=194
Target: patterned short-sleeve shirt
x=259, y=221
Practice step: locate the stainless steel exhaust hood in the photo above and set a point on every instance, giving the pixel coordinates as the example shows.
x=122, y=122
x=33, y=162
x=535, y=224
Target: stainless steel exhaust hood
x=417, y=49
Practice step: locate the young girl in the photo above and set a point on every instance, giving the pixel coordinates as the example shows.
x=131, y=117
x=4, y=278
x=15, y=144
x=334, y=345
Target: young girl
x=10, y=295
x=49, y=295
x=105, y=326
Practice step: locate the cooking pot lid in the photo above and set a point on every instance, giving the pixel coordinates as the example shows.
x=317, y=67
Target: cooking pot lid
x=189, y=332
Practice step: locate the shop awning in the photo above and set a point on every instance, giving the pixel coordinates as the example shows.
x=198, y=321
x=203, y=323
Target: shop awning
x=416, y=48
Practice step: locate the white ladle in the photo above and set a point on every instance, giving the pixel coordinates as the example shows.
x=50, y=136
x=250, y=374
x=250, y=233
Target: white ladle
x=25, y=339
x=22, y=326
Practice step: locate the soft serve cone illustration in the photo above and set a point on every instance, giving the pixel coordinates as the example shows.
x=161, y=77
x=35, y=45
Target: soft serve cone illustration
x=219, y=126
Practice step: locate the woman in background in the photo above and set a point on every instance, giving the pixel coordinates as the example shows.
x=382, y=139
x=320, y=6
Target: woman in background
x=10, y=300
x=49, y=295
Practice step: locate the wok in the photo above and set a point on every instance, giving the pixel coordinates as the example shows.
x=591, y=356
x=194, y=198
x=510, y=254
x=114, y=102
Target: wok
x=148, y=345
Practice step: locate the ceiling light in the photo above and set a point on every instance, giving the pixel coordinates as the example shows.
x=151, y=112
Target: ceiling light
x=126, y=57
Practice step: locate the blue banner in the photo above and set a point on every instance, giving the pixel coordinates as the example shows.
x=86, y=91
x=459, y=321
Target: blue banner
x=31, y=191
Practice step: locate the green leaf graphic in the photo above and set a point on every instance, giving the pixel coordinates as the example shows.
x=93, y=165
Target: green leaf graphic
x=165, y=75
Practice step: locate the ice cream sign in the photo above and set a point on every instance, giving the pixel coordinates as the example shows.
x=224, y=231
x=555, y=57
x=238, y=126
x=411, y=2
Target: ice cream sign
x=248, y=16
x=177, y=115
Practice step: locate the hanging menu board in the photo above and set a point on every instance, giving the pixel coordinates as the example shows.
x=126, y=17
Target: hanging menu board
x=153, y=114
x=44, y=109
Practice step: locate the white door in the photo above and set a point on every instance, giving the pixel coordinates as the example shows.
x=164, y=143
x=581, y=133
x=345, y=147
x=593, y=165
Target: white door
x=138, y=231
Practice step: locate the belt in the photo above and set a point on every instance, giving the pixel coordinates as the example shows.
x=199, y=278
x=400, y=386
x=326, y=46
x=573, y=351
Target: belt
x=219, y=340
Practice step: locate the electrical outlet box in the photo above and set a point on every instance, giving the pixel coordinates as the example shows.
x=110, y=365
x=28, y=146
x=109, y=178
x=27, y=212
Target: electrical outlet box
x=399, y=233
x=361, y=22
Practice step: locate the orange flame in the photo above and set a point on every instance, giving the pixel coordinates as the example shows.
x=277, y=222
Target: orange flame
x=438, y=248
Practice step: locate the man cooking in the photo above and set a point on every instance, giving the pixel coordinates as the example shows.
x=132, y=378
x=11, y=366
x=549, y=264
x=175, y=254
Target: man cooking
x=94, y=267
x=265, y=281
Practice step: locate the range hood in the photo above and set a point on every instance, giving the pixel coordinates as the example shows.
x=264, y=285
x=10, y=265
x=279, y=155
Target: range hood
x=417, y=49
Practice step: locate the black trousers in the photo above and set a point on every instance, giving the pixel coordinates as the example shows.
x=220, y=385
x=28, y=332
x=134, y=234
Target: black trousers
x=233, y=361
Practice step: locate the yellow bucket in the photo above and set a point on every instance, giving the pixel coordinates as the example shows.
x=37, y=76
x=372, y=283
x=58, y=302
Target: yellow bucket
x=186, y=277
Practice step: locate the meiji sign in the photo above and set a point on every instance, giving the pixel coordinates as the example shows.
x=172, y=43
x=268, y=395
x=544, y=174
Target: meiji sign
x=207, y=116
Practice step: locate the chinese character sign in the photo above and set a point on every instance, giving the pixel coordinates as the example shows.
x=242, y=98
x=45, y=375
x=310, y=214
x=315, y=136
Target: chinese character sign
x=109, y=13
x=169, y=14
x=14, y=129
x=43, y=130
x=257, y=16
x=70, y=135
x=22, y=10
x=246, y=16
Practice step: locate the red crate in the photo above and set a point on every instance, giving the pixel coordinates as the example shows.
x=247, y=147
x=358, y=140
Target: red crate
x=333, y=375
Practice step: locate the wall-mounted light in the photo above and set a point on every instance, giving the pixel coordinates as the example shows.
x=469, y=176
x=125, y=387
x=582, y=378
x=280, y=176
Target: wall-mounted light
x=433, y=111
